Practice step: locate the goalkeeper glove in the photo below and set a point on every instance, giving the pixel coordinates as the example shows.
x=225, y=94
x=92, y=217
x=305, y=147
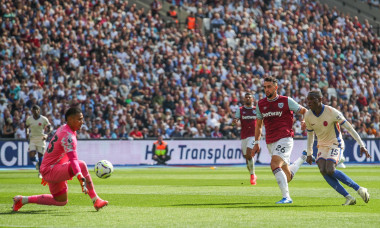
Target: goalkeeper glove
x=82, y=182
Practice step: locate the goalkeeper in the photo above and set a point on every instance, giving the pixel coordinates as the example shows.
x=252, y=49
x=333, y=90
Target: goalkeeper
x=61, y=164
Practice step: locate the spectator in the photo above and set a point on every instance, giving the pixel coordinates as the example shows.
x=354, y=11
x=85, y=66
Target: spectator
x=135, y=133
x=191, y=21
x=216, y=133
x=8, y=129
x=156, y=7
x=20, y=131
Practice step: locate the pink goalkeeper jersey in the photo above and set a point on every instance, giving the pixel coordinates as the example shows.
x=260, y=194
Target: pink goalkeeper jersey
x=63, y=142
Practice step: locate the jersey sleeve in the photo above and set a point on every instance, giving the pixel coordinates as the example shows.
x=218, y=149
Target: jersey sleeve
x=307, y=122
x=69, y=143
x=258, y=113
x=237, y=114
x=338, y=116
x=293, y=105
x=47, y=123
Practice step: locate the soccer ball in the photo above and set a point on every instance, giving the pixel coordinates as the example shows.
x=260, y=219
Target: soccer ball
x=103, y=169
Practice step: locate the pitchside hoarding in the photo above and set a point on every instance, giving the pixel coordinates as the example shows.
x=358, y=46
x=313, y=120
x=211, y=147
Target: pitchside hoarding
x=183, y=152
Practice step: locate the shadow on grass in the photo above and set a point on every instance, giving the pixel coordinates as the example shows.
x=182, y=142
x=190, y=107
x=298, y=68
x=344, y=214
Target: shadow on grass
x=38, y=212
x=250, y=205
x=25, y=212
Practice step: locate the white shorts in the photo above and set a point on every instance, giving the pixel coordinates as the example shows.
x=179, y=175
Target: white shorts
x=247, y=143
x=333, y=153
x=282, y=148
x=34, y=147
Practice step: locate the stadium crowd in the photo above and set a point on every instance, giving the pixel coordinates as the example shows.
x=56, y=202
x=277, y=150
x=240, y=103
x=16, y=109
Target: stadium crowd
x=136, y=77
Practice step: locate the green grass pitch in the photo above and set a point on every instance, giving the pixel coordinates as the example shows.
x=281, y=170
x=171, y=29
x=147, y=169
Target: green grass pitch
x=195, y=197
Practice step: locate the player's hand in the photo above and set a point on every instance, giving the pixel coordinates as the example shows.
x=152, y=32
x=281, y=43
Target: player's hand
x=303, y=125
x=43, y=182
x=82, y=182
x=364, y=150
x=309, y=159
x=255, y=149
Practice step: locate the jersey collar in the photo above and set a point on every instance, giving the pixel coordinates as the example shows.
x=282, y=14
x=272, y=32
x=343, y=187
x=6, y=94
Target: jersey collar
x=274, y=99
x=323, y=109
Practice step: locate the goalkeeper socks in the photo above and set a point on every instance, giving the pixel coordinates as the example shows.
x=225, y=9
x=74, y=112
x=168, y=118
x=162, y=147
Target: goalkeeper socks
x=345, y=179
x=334, y=183
x=282, y=182
x=251, y=166
x=45, y=199
x=89, y=184
x=94, y=199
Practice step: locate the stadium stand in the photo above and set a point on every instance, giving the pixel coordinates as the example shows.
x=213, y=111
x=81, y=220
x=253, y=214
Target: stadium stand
x=125, y=67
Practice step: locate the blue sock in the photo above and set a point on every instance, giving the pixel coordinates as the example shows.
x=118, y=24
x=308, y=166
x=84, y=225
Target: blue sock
x=345, y=179
x=334, y=183
x=40, y=161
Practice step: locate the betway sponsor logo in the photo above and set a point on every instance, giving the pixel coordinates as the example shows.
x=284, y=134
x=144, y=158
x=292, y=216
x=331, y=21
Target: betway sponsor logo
x=249, y=117
x=269, y=114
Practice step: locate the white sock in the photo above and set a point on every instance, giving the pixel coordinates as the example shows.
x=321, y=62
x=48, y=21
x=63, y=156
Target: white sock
x=280, y=176
x=24, y=200
x=94, y=199
x=297, y=164
x=251, y=166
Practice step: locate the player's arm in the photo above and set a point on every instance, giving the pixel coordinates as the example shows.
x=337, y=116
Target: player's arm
x=27, y=132
x=297, y=108
x=48, y=130
x=310, y=142
x=70, y=149
x=346, y=125
x=27, y=129
x=237, y=117
x=258, y=131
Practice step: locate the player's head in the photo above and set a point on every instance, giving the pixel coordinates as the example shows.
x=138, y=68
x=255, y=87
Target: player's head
x=314, y=99
x=74, y=118
x=36, y=111
x=270, y=87
x=248, y=99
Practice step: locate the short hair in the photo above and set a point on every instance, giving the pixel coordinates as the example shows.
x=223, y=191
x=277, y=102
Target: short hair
x=36, y=107
x=248, y=93
x=71, y=112
x=270, y=79
x=316, y=93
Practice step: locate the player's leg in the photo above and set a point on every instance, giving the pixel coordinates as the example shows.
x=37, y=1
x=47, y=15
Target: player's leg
x=323, y=166
x=341, y=161
x=283, y=149
x=247, y=148
x=280, y=152
x=293, y=168
x=276, y=166
x=40, y=153
x=32, y=154
x=331, y=170
x=56, y=178
x=44, y=199
x=98, y=202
